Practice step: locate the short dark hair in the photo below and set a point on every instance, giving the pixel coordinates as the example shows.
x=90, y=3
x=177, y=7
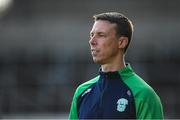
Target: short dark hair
x=124, y=25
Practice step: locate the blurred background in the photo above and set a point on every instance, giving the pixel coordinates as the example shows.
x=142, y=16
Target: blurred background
x=44, y=52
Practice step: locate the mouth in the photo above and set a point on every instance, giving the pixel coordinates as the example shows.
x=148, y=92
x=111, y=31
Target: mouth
x=94, y=52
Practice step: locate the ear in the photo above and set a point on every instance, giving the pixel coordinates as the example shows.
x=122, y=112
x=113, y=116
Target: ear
x=123, y=41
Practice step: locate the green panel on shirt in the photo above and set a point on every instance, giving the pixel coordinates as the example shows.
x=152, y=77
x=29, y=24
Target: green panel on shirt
x=148, y=104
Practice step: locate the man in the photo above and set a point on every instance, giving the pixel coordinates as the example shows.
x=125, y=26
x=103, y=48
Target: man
x=117, y=92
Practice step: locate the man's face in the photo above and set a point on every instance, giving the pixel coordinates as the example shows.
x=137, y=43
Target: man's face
x=103, y=42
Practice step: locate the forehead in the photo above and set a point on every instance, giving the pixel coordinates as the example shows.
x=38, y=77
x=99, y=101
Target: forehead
x=103, y=26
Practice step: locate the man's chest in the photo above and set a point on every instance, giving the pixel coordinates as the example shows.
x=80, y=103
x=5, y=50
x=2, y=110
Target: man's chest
x=115, y=101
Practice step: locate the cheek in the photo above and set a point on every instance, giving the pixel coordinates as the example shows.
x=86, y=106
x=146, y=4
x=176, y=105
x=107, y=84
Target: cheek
x=106, y=45
x=110, y=46
x=109, y=50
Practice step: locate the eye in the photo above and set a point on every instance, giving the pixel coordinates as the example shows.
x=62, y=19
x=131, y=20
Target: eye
x=101, y=35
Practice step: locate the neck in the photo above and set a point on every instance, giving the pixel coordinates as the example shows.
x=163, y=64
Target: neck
x=113, y=66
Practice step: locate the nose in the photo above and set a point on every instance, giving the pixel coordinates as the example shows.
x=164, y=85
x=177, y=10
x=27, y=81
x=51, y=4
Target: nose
x=93, y=41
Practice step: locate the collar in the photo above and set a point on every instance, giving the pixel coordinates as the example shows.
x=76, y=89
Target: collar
x=109, y=75
x=124, y=72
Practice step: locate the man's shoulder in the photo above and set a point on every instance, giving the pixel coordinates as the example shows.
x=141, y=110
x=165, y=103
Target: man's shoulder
x=91, y=81
x=146, y=99
x=139, y=86
x=81, y=88
x=88, y=83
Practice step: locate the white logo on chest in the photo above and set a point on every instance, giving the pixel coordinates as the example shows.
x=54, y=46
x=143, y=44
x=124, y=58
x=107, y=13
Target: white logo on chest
x=121, y=104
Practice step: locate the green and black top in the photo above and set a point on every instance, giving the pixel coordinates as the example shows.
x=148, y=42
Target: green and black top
x=116, y=95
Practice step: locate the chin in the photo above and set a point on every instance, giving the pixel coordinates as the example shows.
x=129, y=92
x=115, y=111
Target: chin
x=95, y=60
x=98, y=61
